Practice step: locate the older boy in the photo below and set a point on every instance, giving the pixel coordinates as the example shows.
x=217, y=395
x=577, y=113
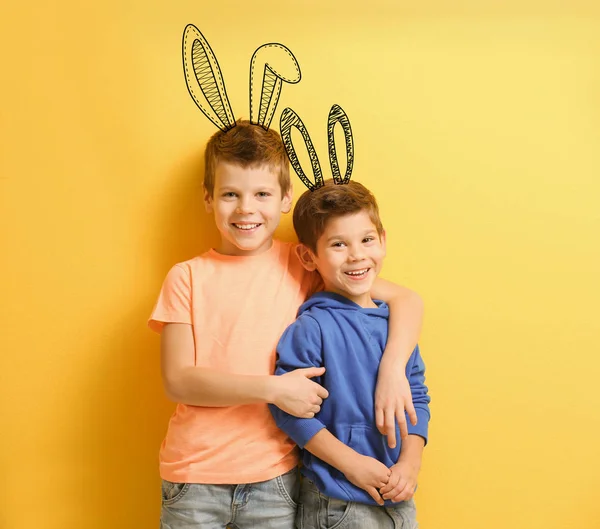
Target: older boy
x=224, y=462
x=348, y=468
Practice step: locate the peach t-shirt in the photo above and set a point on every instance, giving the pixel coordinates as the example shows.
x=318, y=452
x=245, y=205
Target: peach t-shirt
x=238, y=308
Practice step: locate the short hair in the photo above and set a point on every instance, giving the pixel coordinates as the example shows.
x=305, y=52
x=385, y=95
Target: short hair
x=247, y=145
x=315, y=208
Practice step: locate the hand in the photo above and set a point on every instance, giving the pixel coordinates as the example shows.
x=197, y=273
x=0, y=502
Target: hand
x=402, y=483
x=392, y=397
x=368, y=474
x=297, y=395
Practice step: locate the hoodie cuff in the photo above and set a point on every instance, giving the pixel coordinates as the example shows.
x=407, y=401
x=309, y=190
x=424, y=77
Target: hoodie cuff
x=422, y=426
x=302, y=430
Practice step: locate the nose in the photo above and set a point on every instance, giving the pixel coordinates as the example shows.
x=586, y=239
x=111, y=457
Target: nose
x=244, y=206
x=356, y=253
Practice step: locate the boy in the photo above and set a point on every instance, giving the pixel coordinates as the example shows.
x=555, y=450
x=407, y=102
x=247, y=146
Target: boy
x=348, y=469
x=224, y=462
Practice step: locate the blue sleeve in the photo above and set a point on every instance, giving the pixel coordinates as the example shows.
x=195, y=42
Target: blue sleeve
x=299, y=347
x=415, y=373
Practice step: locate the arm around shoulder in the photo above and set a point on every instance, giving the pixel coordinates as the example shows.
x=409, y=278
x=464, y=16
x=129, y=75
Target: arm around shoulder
x=392, y=395
x=406, y=319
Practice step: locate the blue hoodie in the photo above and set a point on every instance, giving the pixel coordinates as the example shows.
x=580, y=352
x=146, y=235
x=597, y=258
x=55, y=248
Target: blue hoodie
x=349, y=341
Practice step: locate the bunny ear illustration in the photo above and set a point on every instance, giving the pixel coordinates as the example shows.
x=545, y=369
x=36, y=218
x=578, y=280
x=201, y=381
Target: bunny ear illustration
x=288, y=120
x=337, y=115
x=271, y=64
x=204, y=80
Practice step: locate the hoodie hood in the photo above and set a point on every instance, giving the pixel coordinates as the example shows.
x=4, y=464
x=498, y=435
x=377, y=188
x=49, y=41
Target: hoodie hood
x=331, y=300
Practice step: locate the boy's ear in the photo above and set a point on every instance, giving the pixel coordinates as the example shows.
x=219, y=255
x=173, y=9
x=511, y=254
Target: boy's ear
x=307, y=257
x=208, y=201
x=286, y=202
x=383, y=242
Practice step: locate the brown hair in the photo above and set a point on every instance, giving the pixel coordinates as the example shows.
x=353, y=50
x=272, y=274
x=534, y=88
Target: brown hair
x=247, y=145
x=315, y=208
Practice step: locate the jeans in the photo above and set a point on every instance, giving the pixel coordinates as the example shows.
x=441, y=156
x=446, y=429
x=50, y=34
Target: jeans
x=317, y=511
x=265, y=505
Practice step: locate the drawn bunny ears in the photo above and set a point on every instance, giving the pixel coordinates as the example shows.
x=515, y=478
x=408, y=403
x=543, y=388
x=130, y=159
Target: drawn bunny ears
x=290, y=119
x=205, y=81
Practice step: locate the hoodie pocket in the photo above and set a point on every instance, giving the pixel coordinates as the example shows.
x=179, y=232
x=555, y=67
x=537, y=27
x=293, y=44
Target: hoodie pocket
x=368, y=441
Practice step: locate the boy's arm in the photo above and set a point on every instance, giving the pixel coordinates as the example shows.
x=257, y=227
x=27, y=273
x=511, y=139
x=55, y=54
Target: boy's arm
x=392, y=395
x=186, y=383
x=404, y=474
x=198, y=386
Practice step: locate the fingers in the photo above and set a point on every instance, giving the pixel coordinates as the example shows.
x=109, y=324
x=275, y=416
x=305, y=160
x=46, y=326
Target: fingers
x=379, y=420
x=390, y=427
x=374, y=494
x=406, y=494
x=310, y=372
x=374, y=490
x=393, y=480
x=401, y=418
x=311, y=412
x=412, y=414
x=385, y=479
x=313, y=403
x=321, y=391
x=399, y=490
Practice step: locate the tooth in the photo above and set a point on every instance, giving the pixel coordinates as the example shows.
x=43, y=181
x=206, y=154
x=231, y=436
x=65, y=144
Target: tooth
x=358, y=272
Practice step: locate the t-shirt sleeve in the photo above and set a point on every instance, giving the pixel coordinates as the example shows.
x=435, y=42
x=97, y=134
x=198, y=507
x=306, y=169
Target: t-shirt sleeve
x=174, y=303
x=299, y=347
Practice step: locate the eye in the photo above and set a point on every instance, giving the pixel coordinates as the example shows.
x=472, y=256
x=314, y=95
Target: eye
x=368, y=239
x=229, y=194
x=338, y=244
x=264, y=194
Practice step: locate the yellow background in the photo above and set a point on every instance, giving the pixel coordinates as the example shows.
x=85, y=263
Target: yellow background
x=476, y=123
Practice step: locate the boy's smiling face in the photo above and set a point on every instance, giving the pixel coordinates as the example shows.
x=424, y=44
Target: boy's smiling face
x=247, y=204
x=349, y=256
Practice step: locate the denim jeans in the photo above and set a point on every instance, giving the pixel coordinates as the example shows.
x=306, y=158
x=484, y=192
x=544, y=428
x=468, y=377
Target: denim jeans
x=317, y=511
x=265, y=505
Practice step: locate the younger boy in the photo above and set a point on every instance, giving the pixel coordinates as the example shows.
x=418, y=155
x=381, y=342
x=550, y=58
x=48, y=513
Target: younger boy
x=224, y=462
x=348, y=468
